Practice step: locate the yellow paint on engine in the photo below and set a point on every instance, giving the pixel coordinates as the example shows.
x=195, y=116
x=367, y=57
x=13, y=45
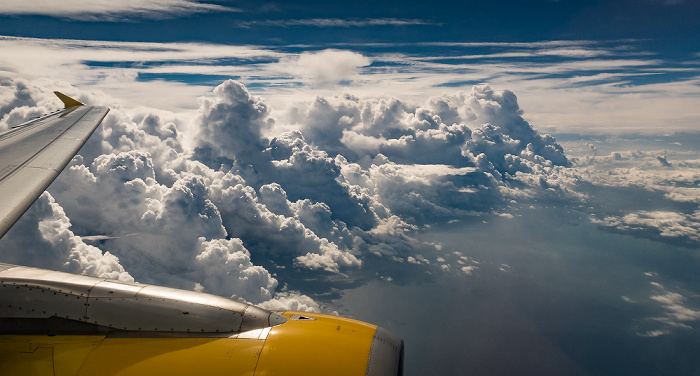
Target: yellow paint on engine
x=329, y=345
x=45, y=355
x=173, y=356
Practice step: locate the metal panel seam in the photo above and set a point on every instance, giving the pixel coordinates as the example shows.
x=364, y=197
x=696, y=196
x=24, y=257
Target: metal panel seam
x=46, y=146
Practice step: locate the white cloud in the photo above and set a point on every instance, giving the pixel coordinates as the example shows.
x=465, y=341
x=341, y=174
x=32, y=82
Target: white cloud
x=42, y=238
x=235, y=183
x=337, y=22
x=325, y=67
x=678, y=311
x=418, y=260
x=637, y=168
x=328, y=189
x=105, y=10
x=664, y=223
x=65, y=60
x=224, y=266
x=412, y=260
x=293, y=301
x=654, y=333
x=555, y=93
x=229, y=125
x=572, y=51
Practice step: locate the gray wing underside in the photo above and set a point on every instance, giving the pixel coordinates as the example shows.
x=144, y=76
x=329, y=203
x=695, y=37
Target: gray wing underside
x=33, y=154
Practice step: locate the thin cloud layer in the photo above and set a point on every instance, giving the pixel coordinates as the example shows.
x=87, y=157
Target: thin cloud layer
x=661, y=183
x=583, y=87
x=685, y=227
x=674, y=310
x=336, y=22
x=103, y=10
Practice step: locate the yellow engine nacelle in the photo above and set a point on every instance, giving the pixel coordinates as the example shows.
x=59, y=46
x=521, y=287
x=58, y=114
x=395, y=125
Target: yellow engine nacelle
x=307, y=344
x=61, y=324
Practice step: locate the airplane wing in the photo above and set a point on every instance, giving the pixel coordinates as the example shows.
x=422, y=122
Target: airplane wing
x=34, y=153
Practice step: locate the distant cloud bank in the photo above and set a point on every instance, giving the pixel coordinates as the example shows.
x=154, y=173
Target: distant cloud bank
x=582, y=87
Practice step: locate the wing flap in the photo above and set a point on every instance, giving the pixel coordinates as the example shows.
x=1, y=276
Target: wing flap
x=33, y=154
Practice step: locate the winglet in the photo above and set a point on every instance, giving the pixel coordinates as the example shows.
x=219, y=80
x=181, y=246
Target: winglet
x=68, y=101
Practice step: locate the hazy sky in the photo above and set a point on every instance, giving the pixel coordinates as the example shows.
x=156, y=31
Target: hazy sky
x=511, y=186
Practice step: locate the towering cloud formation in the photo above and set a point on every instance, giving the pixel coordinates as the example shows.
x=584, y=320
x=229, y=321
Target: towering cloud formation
x=42, y=238
x=454, y=130
x=228, y=125
x=216, y=206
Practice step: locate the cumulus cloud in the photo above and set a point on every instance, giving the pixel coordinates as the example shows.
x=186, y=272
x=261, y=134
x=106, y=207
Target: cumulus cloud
x=474, y=158
x=325, y=67
x=229, y=125
x=482, y=121
x=225, y=265
x=22, y=100
x=217, y=201
x=684, y=227
x=644, y=169
x=42, y=238
x=283, y=209
x=293, y=301
x=654, y=198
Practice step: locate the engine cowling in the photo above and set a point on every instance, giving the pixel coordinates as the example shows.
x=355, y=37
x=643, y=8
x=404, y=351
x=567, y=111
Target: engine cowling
x=311, y=343
x=66, y=325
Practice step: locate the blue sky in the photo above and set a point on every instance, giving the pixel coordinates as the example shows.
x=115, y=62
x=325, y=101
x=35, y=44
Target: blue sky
x=511, y=186
x=411, y=21
x=561, y=58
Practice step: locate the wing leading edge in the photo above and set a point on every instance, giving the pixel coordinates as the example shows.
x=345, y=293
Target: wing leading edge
x=34, y=153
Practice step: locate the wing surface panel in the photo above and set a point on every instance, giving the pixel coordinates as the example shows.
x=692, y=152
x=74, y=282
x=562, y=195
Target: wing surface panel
x=33, y=154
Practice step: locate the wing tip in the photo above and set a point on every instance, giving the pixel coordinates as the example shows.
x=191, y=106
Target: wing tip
x=68, y=101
